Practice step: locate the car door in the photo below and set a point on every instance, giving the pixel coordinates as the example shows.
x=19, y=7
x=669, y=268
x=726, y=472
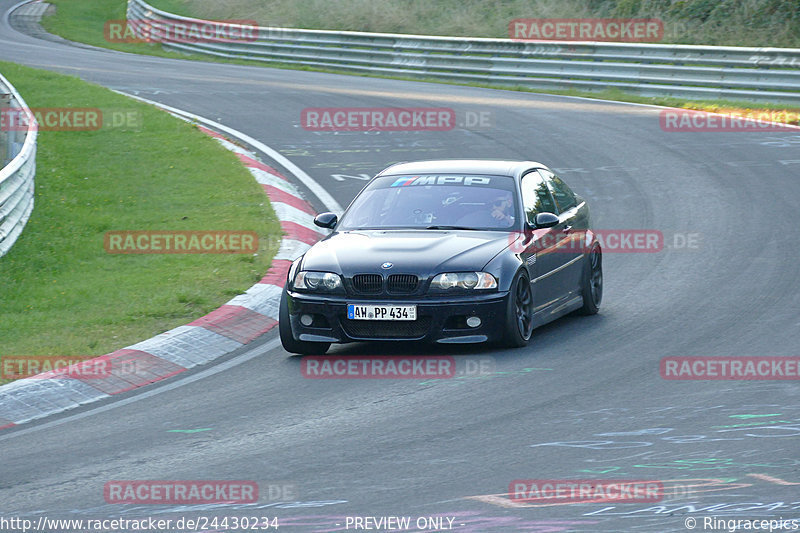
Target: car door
x=571, y=230
x=539, y=251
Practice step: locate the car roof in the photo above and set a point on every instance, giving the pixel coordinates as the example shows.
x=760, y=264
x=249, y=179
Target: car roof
x=496, y=167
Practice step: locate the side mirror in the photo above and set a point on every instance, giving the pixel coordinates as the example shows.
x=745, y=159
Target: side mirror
x=545, y=220
x=326, y=220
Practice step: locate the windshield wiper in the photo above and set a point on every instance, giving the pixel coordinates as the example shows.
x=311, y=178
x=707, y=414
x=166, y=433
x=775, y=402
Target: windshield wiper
x=450, y=227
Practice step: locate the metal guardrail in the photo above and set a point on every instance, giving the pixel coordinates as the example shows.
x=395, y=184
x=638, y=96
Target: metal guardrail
x=683, y=71
x=16, y=178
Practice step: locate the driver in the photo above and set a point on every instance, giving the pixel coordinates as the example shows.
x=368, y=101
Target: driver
x=502, y=209
x=497, y=213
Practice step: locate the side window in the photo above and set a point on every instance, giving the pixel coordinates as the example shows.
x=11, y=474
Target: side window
x=535, y=196
x=564, y=196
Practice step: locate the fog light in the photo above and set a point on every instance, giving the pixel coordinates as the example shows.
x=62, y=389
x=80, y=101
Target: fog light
x=306, y=320
x=473, y=322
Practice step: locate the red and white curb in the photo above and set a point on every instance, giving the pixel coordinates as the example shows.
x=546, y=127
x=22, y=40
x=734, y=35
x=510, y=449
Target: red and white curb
x=220, y=332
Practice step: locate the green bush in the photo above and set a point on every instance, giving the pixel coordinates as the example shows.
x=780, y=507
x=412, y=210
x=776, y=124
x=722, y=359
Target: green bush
x=717, y=22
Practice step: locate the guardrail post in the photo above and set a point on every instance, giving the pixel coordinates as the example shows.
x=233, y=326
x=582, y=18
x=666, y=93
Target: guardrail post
x=6, y=138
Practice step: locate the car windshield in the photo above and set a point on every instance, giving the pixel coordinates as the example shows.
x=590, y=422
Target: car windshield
x=435, y=201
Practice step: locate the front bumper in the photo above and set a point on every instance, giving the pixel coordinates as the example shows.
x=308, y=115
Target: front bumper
x=440, y=320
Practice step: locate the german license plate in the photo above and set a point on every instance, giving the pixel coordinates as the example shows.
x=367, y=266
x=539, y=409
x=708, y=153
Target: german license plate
x=381, y=312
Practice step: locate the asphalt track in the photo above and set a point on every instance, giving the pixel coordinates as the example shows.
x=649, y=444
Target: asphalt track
x=584, y=400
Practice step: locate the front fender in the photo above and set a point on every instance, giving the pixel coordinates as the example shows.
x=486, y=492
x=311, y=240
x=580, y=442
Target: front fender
x=504, y=266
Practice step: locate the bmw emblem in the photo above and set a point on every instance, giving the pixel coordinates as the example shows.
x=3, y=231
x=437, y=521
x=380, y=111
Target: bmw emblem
x=387, y=265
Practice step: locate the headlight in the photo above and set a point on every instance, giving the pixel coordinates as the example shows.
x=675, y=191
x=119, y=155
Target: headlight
x=318, y=281
x=464, y=280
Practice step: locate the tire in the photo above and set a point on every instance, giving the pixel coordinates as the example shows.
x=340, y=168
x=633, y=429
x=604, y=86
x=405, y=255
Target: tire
x=287, y=339
x=519, y=313
x=592, y=282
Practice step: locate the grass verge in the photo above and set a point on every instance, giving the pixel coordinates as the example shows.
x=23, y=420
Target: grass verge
x=62, y=294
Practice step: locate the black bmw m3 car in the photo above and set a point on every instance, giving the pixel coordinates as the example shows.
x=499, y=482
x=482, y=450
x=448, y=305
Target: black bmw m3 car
x=451, y=251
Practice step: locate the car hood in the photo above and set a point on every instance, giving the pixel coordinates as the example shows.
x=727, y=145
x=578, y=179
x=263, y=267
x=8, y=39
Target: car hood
x=421, y=252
